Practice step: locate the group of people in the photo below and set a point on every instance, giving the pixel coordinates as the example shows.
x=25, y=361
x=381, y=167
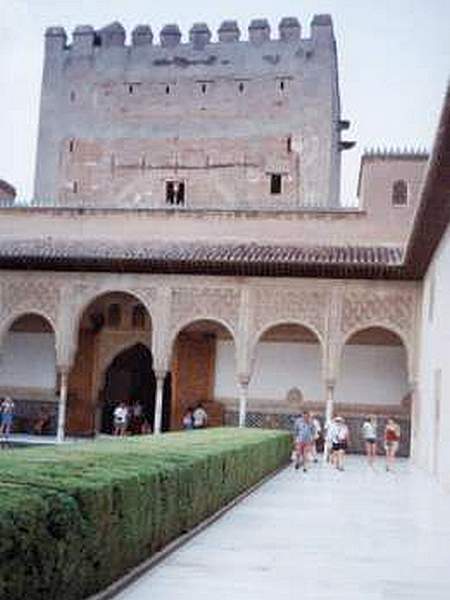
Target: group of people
x=195, y=419
x=310, y=439
x=130, y=419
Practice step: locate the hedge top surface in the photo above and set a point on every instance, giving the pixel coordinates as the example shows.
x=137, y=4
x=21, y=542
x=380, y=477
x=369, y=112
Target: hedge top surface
x=62, y=467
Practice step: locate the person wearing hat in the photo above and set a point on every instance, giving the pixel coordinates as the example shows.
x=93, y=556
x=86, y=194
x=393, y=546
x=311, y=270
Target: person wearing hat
x=339, y=437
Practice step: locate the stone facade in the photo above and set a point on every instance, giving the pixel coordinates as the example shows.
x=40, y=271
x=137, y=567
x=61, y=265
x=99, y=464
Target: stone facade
x=242, y=310
x=118, y=122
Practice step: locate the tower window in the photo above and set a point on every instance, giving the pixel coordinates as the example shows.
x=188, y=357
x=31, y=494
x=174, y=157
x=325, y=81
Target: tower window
x=203, y=88
x=72, y=96
x=241, y=87
x=130, y=89
x=289, y=144
x=75, y=187
x=282, y=85
x=71, y=145
x=275, y=183
x=167, y=89
x=399, y=193
x=175, y=193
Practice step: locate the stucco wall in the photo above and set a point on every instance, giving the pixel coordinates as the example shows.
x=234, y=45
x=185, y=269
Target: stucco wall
x=28, y=361
x=432, y=418
x=370, y=375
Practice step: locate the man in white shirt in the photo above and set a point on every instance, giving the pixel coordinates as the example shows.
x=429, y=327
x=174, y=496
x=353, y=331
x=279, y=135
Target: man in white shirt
x=199, y=417
x=120, y=419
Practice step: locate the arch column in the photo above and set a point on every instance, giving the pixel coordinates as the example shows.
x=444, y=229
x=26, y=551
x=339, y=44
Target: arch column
x=63, y=371
x=160, y=377
x=330, y=385
x=243, y=383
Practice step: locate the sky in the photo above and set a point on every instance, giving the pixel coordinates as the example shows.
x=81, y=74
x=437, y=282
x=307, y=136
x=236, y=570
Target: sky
x=394, y=64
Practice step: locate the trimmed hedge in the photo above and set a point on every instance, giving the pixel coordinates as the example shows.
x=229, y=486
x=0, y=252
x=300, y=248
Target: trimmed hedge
x=75, y=518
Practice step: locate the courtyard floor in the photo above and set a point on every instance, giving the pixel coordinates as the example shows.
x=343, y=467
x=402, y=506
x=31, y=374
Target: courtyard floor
x=359, y=535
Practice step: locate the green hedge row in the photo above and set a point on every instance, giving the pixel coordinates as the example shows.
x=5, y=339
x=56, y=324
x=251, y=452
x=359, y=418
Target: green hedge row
x=75, y=518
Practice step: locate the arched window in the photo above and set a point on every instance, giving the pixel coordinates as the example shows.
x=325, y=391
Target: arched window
x=138, y=317
x=114, y=315
x=399, y=193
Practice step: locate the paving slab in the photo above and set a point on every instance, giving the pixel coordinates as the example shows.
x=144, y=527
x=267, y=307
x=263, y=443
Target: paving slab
x=363, y=534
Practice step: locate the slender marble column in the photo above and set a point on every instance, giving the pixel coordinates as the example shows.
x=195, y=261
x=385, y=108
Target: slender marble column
x=160, y=376
x=64, y=376
x=243, y=382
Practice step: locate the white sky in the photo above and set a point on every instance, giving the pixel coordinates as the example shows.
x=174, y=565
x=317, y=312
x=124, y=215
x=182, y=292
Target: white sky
x=394, y=62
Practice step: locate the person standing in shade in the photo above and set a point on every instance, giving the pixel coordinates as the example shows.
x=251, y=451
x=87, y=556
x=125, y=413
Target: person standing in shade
x=369, y=433
x=199, y=417
x=304, y=439
x=339, y=438
x=187, y=420
x=392, y=434
x=6, y=414
x=120, y=419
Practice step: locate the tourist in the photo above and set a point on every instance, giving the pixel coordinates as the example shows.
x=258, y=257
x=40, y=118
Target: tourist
x=339, y=438
x=42, y=422
x=392, y=434
x=7, y=414
x=120, y=419
x=188, y=420
x=317, y=445
x=369, y=433
x=137, y=418
x=199, y=417
x=304, y=438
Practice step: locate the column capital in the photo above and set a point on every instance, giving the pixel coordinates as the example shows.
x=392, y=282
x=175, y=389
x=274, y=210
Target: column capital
x=330, y=382
x=243, y=379
x=63, y=369
x=160, y=374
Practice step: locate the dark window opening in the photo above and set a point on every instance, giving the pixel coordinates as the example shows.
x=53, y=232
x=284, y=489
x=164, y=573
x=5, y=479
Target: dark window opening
x=72, y=96
x=399, y=193
x=114, y=315
x=282, y=86
x=130, y=89
x=289, y=144
x=167, y=89
x=71, y=145
x=175, y=193
x=75, y=187
x=138, y=317
x=241, y=87
x=275, y=183
x=203, y=88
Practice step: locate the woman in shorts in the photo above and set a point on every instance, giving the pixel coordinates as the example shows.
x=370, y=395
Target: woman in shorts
x=391, y=442
x=339, y=437
x=369, y=432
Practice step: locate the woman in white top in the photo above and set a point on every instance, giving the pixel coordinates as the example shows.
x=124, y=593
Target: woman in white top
x=369, y=433
x=338, y=437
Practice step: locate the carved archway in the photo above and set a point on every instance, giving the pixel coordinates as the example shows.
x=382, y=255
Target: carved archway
x=106, y=327
x=203, y=369
x=287, y=367
x=28, y=369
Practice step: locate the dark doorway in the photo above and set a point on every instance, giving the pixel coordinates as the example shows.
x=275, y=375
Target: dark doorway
x=130, y=378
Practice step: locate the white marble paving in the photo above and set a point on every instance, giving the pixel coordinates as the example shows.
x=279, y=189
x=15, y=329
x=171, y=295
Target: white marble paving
x=359, y=535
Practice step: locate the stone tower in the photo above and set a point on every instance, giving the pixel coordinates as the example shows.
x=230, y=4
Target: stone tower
x=224, y=125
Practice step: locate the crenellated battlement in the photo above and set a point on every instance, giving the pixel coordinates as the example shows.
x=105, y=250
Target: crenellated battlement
x=234, y=118
x=398, y=153
x=198, y=37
